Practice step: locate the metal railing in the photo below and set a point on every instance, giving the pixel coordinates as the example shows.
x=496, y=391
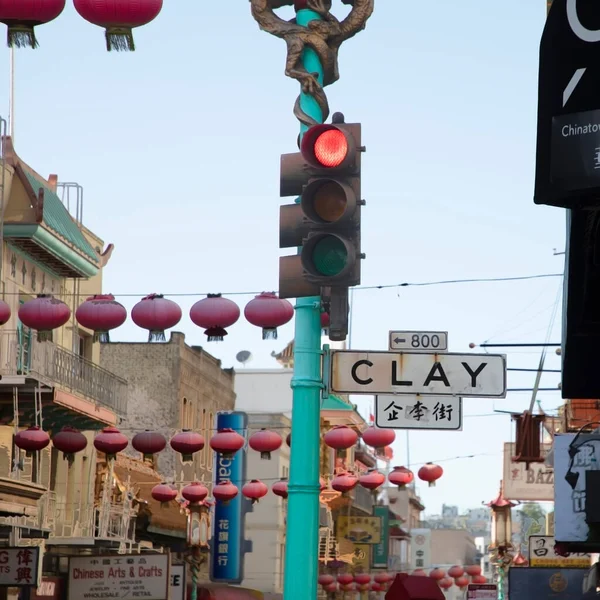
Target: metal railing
x=44, y=520
x=24, y=355
x=362, y=499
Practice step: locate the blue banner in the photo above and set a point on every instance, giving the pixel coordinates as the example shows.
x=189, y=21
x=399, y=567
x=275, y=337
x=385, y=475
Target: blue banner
x=527, y=583
x=228, y=546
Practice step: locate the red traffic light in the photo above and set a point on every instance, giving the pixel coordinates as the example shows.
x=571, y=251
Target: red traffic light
x=325, y=146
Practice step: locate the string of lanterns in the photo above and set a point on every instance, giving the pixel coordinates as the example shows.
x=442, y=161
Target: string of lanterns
x=155, y=313
x=118, y=19
x=227, y=442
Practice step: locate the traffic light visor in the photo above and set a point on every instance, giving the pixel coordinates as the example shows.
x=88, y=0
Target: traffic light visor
x=325, y=146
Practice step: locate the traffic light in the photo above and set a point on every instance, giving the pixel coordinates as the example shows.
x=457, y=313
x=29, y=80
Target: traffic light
x=324, y=223
x=581, y=321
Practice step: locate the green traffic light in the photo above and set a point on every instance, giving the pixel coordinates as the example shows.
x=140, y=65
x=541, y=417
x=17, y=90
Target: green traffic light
x=329, y=256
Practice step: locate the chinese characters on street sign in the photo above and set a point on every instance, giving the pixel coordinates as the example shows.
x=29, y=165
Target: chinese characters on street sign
x=418, y=412
x=541, y=554
x=124, y=576
x=19, y=566
x=419, y=341
x=371, y=372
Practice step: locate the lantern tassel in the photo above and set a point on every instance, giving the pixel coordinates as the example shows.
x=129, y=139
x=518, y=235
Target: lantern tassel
x=269, y=333
x=215, y=334
x=44, y=336
x=101, y=336
x=119, y=39
x=21, y=36
x=157, y=336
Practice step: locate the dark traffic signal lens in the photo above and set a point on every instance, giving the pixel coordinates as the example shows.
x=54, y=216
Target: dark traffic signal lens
x=329, y=202
x=329, y=256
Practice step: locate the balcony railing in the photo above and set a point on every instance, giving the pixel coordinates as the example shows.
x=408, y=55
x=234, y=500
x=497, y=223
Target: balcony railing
x=24, y=355
x=113, y=522
x=362, y=499
x=44, y=520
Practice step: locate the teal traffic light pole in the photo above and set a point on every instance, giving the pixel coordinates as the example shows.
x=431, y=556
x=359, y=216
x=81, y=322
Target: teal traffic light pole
x=302, y=535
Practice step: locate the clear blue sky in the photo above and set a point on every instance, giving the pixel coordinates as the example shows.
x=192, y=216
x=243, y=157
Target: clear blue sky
x=177, y=146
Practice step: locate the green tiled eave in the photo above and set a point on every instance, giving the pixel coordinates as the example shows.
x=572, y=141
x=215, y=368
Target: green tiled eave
x=57, y=218
x=334, y=403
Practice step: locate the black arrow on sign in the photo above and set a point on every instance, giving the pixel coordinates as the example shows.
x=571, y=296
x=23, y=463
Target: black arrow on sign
x=398, y=340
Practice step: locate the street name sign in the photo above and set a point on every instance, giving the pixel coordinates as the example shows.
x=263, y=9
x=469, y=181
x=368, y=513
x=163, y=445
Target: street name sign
x=374, y=372
x=418, y=412
x=568, y=127
x=419, y=341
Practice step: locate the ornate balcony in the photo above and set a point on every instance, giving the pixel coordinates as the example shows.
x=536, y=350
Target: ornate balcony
x=74, y=383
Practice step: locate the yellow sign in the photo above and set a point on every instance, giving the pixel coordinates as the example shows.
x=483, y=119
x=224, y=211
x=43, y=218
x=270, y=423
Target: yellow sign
x=359, y=530
x=362, y=556
x=541, y=554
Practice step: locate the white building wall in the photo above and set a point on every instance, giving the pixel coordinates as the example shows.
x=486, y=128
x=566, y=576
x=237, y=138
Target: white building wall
x=264, y=391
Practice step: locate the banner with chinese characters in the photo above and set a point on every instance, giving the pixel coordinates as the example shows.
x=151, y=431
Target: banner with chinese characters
x=228, y=545
x=359, y=530
x=379, y=558
x=418, y=412
x=19, y=566
x=541, y=554
x=420, y=546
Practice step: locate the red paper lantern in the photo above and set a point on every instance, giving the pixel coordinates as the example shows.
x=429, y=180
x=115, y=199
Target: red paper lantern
x=372, y=479
x=194, y=492
x=101, y=314
x=226, y=442
x=437, y=574
x=446, y=583
x=362, y=578
x=110, y=441
x=21, y=16
x=401, y=477
x=43, y=314
x=265, y=442
x=419, y=573
x=119, y=18
x=269, y=311
x=331, y=588
x=280, y=488
x=32, y=440
x=344, y=482
x=164, y=493
x=455, y=571
x=479, y=579
x=345, y=579
x=187, y=443
x=378, y=438
x=5, y=313
x=225, y=491
x=430, y=473
x=69, y=441
x=376, y=587
x=340, y=438
x=148, y=443
x=462, y=582
x=473, y=570
x=214, y=314
x=326, y=579
x=255, y=490
x=348, y=588
x=382, y=578
x=156, y=313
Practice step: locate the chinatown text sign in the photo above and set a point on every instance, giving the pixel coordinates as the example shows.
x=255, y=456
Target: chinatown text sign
x=19, y=566
x=123, y=576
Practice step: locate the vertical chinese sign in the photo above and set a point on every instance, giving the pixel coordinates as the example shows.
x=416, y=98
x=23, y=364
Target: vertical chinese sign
x=379, y=555
x=19, y=566
x=228, y=544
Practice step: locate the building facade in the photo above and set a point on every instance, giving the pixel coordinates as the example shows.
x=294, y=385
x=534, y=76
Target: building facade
x=45, y=501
